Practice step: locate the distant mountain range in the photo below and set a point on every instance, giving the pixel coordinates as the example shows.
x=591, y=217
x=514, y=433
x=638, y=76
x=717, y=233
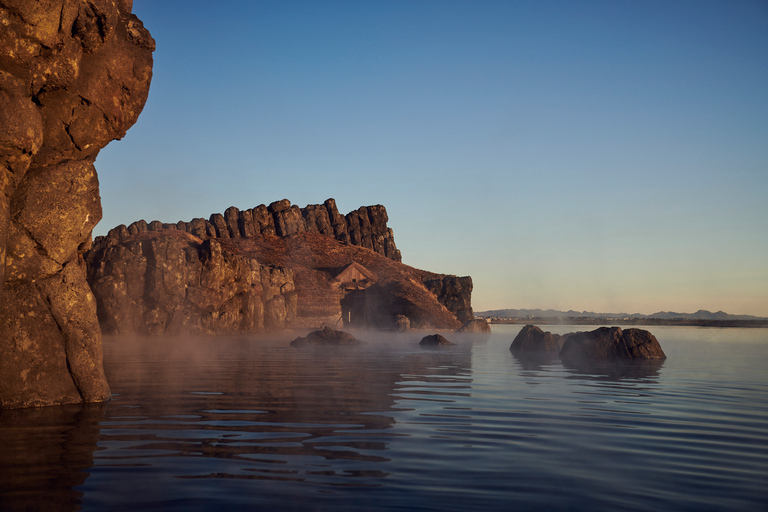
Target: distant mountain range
x=701, y=314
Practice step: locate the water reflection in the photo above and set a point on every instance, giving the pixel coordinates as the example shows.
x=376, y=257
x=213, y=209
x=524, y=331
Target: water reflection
x=46, y=454
x=593, y=371
x=615, y=370
x=229, y=423
x=264, y=410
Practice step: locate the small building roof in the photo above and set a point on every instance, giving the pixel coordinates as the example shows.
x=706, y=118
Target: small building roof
x=354, y=272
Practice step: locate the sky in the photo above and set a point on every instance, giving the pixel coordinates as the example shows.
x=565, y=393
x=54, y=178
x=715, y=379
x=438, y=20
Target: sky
x=607, y=156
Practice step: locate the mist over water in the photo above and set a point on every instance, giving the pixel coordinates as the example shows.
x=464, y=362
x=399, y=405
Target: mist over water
x=253, y=423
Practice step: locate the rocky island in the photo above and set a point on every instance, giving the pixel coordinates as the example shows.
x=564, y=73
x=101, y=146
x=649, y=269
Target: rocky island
x=267, y=268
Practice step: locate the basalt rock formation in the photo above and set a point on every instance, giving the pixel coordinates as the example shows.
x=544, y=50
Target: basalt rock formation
x=531, y=339
x=74, y=75
x=610, y=344
x=267, y=268
x=602, y=344
x=364, y=227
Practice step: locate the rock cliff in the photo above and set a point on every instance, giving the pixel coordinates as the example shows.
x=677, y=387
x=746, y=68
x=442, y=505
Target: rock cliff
x=364, y=227
x=267, y=268
x=74, y=75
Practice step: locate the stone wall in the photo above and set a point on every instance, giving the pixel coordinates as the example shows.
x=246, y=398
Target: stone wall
x=74, y=75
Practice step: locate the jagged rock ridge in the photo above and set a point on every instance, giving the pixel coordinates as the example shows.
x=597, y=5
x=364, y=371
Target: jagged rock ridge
x=74, y=75
x=267, y=269
x=364, y=227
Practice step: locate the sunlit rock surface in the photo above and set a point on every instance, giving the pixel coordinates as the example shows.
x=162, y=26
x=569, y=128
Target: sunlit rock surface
x=74, y=75
x=267, y=268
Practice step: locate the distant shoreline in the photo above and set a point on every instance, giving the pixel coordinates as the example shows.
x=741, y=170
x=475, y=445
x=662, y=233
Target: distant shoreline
x=627, y=321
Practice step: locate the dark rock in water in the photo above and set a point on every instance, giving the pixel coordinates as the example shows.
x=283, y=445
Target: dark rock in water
x=326, y=337
x=434, y=340
x=73, y=77
x=476, y=325
x=532, y=339
x=611, y=343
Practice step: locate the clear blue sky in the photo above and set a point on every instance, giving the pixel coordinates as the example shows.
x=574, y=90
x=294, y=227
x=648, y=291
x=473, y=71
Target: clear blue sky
x=609, y=156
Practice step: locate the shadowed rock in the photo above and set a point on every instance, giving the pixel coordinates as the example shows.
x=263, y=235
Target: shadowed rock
x=532, y=339
x=434, y=340
x=326, y=337
x=74, y=75
x=611, y=343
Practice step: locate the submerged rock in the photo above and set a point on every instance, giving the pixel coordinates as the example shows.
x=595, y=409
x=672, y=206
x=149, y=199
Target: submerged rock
x=611, y=343
x=327, y=336
x=476, y=325
x=434, y=340
x=531, y=339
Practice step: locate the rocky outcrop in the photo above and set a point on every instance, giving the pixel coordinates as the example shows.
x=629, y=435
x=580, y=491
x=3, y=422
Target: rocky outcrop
x=74, y=75
x=455, y=293
x=315, y=246
x=609, y=344
x=325, y=337
x=476, y=325
x=531, y=339
x=434, y=340
x=365, y=227
x=177, y=283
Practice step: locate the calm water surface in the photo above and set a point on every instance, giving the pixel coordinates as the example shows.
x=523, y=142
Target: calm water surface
x=254, y=424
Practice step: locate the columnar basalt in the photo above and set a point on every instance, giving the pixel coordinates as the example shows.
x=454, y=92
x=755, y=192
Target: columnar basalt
x=74, y=75
x=364, y=227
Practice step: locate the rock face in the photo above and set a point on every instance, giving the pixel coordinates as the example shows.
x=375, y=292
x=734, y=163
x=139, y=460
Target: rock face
x=364, y=227
x=74, y=75
x=177, y=284
x=265, y=269
x=434, y=340
x=326, y=337
x=532, y=339
x=476, y=325
x=611, y=343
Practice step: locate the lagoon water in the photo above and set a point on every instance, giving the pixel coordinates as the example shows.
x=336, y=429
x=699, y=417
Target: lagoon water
x=254, y=424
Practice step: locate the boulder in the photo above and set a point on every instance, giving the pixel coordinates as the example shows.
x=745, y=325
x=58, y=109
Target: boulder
x=434, y=340
x=611, y=343
x=531, y=339
x=326, y=337
x=476, y=325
